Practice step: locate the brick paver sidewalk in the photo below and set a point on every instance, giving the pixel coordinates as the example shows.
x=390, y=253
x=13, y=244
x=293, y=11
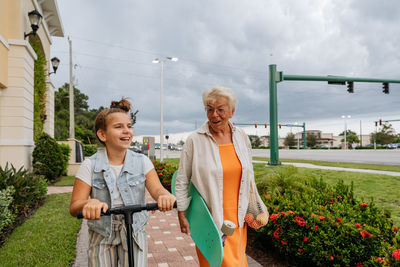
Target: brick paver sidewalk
x=167, y=245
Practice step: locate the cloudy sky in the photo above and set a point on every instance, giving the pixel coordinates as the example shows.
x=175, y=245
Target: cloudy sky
x=231, y=43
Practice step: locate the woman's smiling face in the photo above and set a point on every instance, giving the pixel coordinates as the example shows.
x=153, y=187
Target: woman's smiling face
x=118, y=134
x=219, y=113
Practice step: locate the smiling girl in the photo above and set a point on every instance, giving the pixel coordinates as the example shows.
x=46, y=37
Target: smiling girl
x=116, y=176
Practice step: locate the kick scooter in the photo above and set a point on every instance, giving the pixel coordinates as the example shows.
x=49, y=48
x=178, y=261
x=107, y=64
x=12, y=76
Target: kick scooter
x=128, y=211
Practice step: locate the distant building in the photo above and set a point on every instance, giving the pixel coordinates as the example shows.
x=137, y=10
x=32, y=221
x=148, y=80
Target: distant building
x=329, y=140
x=324, y=139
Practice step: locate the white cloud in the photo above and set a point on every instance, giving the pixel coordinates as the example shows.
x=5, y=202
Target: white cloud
x=231, y=43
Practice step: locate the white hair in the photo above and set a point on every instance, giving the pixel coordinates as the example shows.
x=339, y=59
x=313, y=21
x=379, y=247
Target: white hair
x=211, y=95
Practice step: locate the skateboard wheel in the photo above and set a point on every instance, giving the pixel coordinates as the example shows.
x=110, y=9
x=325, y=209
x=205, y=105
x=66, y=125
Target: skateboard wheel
x=228, y=228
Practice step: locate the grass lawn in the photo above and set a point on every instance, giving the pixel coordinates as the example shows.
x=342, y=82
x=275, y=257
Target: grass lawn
x=46, y=239
x=174, y=161
x=66, y=181
x=378, y=167
x=383, y=189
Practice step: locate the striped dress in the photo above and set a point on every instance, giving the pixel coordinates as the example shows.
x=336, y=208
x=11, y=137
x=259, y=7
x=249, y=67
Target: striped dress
x=113, y=251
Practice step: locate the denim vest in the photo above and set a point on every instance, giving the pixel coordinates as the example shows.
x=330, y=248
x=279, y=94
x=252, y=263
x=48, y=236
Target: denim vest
x=131, y=185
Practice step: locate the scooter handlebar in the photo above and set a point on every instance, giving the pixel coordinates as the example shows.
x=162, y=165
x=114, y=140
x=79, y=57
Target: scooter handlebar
x=126, y=209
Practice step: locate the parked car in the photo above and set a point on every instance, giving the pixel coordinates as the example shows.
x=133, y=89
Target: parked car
x=135, y=149
x=393, y=146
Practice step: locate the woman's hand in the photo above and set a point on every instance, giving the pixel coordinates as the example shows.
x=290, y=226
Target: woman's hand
x=92, y=209
x=166, y=202
x=183, y=222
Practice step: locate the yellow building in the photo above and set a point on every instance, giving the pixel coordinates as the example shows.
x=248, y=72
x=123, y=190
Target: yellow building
x=17, y=59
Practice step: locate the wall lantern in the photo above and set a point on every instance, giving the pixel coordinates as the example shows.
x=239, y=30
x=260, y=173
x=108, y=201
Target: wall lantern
x=55, y=62
x=34, y=17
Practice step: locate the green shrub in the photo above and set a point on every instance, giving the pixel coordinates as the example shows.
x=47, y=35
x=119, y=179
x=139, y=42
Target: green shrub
x=6, y=216
x=316, y=224
x=165, y=172
x=66, y=151
x=29, y=188
x=48, y=158
x=89, y=150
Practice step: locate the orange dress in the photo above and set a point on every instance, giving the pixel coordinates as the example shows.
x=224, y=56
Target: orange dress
x=235, y=245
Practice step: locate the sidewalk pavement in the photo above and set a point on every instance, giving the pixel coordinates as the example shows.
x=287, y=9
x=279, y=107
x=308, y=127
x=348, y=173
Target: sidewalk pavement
x=167, y=246
x=312, y=166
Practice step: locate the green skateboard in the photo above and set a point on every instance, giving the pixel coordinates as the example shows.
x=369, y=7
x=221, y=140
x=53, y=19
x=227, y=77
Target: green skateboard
x=203, y=230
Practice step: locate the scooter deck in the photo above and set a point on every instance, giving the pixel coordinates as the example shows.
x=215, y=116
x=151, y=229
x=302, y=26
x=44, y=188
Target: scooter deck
x=203, y=230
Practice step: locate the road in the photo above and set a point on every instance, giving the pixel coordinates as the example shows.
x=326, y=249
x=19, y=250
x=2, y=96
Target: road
x=387, y=157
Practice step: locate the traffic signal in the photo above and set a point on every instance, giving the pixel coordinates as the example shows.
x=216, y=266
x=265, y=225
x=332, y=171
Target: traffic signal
x=266, y=125
x=380, y=121
x=280, y=126
x=350, y=87
x=255, y=125
x=385, y=88
x=376, y=123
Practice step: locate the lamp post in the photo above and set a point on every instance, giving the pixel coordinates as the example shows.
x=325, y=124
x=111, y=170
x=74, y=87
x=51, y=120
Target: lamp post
x=162, y=61
x=345, y=129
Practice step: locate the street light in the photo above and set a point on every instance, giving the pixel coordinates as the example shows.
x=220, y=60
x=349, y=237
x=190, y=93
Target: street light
x=162, y=61
x=55, y=62
x=345, y=129
x=34, y=18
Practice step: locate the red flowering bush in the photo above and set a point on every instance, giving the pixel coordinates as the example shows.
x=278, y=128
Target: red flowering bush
x=396, y=254
x=315, y=224
x=165, y=172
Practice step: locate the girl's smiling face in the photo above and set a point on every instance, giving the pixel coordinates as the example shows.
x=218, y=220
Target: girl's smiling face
x=118, y=133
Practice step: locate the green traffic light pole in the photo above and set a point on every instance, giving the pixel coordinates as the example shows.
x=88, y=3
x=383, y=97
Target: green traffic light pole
x=387, y=121
x=278, y=76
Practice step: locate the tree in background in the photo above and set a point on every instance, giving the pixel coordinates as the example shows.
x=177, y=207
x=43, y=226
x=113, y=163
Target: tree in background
x=386, y=135
x=290, y=140
x=255, y=141
x=266, y=139
x=84, y=118
x=311, y=140
x=351, y=137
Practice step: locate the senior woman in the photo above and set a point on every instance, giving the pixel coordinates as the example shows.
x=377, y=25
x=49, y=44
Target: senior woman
x=217, y=160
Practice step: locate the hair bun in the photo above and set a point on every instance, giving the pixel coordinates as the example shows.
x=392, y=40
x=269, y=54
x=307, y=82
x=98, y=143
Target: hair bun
x=123, y=104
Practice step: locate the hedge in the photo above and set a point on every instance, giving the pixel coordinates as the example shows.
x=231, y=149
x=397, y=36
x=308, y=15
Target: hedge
x=313, y=223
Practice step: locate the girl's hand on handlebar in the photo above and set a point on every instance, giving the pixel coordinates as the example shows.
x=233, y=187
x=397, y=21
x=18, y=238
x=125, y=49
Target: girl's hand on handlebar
x=166, y=202
x=92, y=209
